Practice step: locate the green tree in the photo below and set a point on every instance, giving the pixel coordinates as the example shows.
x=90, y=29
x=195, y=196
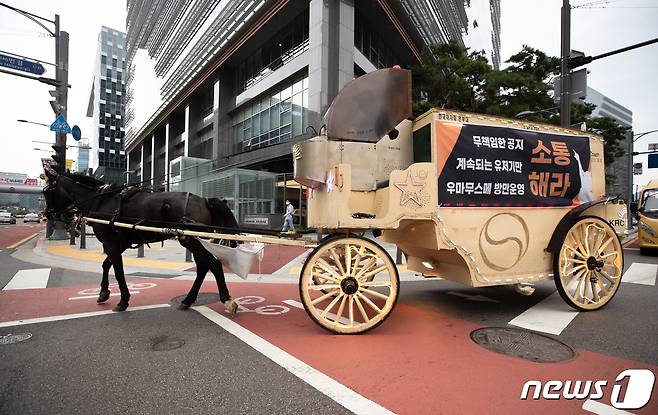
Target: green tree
x=453, y=77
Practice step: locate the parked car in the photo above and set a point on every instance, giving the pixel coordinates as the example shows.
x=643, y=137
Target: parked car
x=6, y=217
x=31, y=217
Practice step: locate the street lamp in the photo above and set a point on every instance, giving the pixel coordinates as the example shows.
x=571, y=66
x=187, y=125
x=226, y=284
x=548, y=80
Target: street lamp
x=34, y=122
x=524, y=114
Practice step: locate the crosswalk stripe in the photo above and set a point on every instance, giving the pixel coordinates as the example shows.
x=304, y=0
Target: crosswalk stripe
x=29, y=278
x=639, y=273
x=551, y=315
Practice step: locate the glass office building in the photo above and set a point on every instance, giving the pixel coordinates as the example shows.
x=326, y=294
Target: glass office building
x=106, y=106
x=237, y=83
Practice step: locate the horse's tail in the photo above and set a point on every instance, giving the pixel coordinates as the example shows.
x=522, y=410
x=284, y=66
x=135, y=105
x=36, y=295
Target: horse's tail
x=221, y=215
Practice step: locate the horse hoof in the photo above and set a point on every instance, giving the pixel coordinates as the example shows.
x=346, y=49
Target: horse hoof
x=103, y=297
x=183, y=306
x=231, y=307
x=120, y=307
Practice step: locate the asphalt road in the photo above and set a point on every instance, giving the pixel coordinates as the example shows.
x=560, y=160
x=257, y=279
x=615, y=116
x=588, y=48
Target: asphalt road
x=414, y=363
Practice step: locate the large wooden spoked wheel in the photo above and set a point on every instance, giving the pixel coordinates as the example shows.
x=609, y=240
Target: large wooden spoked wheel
x=588, y=268
x=349, y=285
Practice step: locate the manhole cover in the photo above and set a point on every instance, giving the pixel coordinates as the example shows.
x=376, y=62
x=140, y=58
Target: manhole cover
x=522, y=343
x=14, y=338
x=164, y=343
x=201, y=299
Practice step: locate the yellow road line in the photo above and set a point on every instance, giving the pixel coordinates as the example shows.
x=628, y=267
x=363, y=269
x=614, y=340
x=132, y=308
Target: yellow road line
x=98, y=256
x=22, y=241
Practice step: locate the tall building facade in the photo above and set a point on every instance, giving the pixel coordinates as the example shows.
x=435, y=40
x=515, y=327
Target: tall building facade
x=214, y=85
x=621, y=168
x=106, y=107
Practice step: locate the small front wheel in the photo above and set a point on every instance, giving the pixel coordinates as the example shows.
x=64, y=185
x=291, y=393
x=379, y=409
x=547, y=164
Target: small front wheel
x=349, y=285
x=588, y=268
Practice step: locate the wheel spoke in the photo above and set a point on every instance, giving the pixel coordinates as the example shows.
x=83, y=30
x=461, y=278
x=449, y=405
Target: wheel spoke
x=575, y=251
x=373, y=272
x=325, y=277
x=595, y=293
x=574, y=279
x=337, y=261
x=351, y=310
x=348, y=259
x=605, y=245
x=339, y=313
x=612, y=280
x=373, y=293
x=332, y=304
x=376, y=284
x=324, y=297
x=321, y=287
x=602, y=287
x=324, y=265
x=361, y=309
x=369, y=302
x=371, y=262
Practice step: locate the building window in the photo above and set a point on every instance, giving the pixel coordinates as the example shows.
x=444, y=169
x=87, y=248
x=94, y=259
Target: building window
x=281, y=48
x=103, y=59
x=371, y=44
x=273, y=117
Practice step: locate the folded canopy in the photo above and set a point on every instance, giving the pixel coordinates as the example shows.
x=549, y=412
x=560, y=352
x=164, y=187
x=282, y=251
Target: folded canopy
x=370, y=106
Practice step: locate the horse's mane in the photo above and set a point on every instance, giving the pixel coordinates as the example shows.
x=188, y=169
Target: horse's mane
x=84, y=179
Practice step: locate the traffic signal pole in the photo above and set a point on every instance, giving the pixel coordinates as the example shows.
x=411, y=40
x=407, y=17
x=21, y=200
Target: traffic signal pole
x=565, y=72
x=62, y=77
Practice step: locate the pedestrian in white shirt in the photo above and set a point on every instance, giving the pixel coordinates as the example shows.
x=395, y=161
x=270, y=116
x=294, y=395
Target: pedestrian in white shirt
x=287, y=218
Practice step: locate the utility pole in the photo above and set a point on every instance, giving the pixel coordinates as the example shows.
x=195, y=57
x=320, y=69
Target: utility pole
x=565, y=72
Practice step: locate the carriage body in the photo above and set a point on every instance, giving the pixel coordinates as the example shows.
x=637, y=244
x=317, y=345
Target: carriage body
x=495, y=239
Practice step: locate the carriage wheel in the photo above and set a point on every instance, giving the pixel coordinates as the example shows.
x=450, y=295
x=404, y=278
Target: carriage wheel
x=588, y=268
x=349, y=285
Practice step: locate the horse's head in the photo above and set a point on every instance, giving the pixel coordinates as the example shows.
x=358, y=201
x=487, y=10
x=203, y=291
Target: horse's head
x=58, y=203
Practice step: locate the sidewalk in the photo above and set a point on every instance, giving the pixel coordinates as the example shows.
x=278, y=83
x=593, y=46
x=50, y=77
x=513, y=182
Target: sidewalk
x=168, y=259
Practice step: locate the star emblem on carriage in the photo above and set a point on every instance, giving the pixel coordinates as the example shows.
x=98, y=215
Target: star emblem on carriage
x=410, y=190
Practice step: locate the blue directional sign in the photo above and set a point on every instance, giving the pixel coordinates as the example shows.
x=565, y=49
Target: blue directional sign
x=21, y=64
x=77, y=134
x=653, y=161
x=60, y=125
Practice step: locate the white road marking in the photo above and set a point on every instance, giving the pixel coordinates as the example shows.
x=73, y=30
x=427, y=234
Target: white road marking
x=77, y=315
x=323, y=383
x=602, y=409
x=294, y=303
x=639, y=273
x=551, y=315
x=29, y=278
x=83, y=297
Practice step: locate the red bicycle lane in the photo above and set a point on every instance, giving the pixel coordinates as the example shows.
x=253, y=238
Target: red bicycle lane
x=418, y=361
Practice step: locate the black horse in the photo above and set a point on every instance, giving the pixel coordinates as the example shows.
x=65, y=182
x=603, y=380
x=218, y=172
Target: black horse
x=92, y=198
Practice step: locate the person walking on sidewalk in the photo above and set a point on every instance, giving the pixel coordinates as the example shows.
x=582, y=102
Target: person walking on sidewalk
x=287, y=217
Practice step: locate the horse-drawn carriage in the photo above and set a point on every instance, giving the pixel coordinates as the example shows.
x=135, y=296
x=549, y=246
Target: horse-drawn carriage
x=471, y=198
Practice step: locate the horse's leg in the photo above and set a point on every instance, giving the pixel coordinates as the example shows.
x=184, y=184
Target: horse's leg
x=201, y=271
x=224, y=296
x=215, y=266
x=117, y=263
x=104, y=295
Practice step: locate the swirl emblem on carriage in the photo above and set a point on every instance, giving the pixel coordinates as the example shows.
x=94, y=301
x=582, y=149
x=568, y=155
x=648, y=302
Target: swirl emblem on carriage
x=503, y=241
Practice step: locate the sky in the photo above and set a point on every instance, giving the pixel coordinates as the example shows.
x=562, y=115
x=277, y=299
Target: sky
x=627, y=78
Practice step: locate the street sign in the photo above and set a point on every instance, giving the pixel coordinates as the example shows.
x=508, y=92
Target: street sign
x=60, y=125
x=77, y=134
x=653, y=161
x=637, y=168
x=21, y=64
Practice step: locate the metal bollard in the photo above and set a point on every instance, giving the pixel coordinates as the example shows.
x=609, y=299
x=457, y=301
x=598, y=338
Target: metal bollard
x=83, y=235
x=72, y=233
x=140, y=251
x=188, y=255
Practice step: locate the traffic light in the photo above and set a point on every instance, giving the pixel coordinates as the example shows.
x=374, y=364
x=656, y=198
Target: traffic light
x=59, y=158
